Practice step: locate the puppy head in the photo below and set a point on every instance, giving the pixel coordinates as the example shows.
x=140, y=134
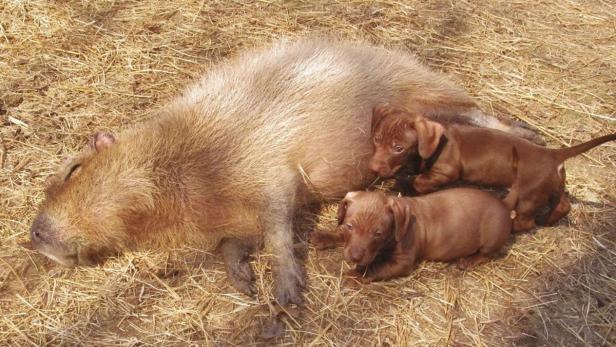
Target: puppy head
x=371, y=221
x=398, y=135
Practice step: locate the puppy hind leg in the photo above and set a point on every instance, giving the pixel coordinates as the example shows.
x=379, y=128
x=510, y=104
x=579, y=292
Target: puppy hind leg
x=473, y=260
x=560, y=210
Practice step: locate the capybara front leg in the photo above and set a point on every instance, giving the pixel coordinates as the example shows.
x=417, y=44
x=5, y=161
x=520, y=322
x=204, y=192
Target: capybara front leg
x=236, y=255
x=278, y=224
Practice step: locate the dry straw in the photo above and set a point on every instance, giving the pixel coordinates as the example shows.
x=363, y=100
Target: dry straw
x=69, y=68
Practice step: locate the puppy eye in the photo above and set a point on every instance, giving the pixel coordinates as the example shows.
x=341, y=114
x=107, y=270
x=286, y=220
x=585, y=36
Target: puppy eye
x=398, y=149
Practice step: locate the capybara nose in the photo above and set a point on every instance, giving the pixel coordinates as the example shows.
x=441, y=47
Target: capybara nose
x=39, y=227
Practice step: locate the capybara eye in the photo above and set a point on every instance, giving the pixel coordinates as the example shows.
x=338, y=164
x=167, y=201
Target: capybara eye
x=73, y=169
x=349, y=226
x=378, y=232
x=398, y=148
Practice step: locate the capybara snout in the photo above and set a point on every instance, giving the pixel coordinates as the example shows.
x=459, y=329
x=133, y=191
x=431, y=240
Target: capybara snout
x=46, y=239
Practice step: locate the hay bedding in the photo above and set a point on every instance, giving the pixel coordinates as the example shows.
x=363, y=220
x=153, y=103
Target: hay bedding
x=69, y=68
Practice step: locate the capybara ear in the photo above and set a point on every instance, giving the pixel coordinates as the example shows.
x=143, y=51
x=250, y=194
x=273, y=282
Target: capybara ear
x=429, y=135
x=404, y=222
x=379, y=112
x=101, y=141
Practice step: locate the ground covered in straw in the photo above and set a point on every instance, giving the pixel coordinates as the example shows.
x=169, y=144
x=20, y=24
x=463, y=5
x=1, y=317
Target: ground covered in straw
x=69, y=68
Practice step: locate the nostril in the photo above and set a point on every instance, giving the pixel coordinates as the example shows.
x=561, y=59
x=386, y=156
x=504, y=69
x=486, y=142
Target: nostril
x=38, y=229
x=36, y=236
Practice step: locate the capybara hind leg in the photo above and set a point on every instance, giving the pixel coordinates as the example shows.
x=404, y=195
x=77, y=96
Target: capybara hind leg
x=561, y=209
x=236, y=255
x=472, y=261
x=520, y=129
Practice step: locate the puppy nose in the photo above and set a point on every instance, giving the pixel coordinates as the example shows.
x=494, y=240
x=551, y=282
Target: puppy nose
x=355, y=255
x=374, y=166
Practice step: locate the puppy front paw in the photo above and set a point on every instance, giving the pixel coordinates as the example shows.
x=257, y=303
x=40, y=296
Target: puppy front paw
x=324, y=240
x=352, y=278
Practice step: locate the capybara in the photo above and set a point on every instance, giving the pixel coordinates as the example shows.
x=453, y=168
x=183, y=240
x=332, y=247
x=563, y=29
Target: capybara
x=458, y=152
x=239, y=153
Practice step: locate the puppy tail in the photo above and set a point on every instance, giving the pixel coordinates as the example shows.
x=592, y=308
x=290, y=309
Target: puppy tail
x=511, y=200
x=565, y=153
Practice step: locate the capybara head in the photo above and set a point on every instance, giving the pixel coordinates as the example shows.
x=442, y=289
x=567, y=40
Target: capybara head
x=86, y=202
x=398, y=135
x=371, y=221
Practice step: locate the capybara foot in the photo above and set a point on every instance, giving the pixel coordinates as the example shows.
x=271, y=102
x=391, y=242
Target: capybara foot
x=526, y=131
x=274, y=327
x=289, y=293
x=242, y=277
x=236, y=254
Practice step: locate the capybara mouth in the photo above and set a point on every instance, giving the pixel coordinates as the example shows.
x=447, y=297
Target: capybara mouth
x=68, y=259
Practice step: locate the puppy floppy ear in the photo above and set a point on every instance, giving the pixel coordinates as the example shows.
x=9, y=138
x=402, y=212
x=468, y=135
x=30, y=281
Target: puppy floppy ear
x=101, y=141
x=429, y=135
x=342, y=207
x=404, y=222
x=380, y=111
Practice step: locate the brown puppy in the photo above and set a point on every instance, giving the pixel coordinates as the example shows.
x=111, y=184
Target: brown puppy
x=481, y=156
x=386, y=236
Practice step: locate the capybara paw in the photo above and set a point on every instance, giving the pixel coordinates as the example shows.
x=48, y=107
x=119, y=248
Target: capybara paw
x=529, y=134
x=289, y=293
x=273, y=328
x=242, y=278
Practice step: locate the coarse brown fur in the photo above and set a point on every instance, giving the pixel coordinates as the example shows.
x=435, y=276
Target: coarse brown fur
x=386, y=236
x=475, y=155
x=238, y=153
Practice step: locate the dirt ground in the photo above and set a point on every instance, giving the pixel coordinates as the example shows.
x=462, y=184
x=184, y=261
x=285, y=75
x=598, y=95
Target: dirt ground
x=70, y=68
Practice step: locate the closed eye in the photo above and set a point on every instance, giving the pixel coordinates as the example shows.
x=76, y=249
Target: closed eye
x=73, y=169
